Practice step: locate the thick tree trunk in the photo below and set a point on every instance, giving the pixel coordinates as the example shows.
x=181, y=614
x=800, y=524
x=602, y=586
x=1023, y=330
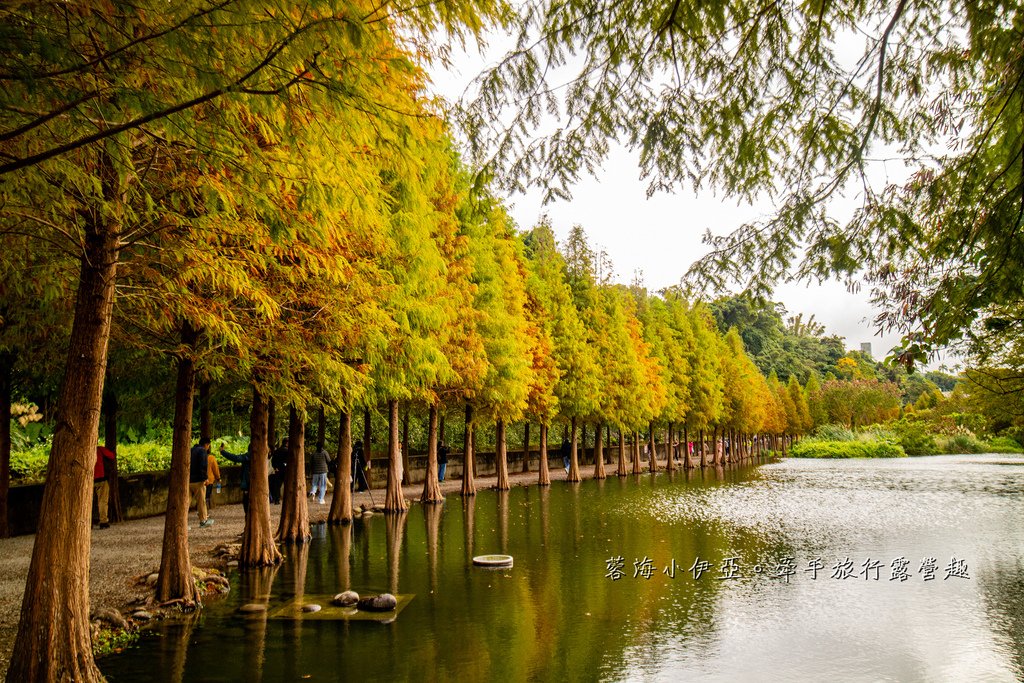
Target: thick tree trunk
x=205, y=423
x=621, y=471
x=543, y=475
x=321, y=429
x=599, y=453
x=653, y=464
x=53, y=641
x=501, y=456
x=115, y=511
x=394, y=500
x=258, y=547
x=431, y=487
x=405, y=447
x=271, y=425
x=6, y=388
x=367, y=450
x=176, y=580
x=574, y=466
x=526, y=447
x=341, y=501
x=468, y=485
x=293, y=527
x=687, y=461
x=670, y=454
x=703, y=450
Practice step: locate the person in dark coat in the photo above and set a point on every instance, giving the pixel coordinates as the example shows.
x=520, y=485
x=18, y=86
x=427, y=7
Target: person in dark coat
x=279, y=463
x=320, y=464
x=442, y=461
x=565, y=450
x=198, y=472
x=359, y=482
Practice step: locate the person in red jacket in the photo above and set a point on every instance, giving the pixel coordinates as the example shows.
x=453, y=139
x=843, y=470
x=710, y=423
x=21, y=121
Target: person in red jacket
x=99, y=475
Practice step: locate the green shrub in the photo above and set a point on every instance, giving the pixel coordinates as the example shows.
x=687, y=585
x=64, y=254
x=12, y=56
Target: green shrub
x=1003, y=444
x=963, y=443
x=813, y=448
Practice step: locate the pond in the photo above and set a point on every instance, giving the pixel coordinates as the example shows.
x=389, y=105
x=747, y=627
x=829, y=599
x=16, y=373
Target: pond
x=771, y=602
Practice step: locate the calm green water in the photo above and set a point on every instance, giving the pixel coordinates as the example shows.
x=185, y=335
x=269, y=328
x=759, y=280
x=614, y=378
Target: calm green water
x=557, y=615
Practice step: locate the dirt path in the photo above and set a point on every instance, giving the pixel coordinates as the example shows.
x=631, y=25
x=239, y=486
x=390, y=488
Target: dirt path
x=130, y=549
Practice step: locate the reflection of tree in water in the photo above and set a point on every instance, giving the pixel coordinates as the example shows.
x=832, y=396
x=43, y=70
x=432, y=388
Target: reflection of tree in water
x=293, y=577
x=394, y=530
x=1002, y=589
x=503, y=521
x=469, y=525
x=432, y=523
x=341, y=542
x=256, y=585
x=174, y=647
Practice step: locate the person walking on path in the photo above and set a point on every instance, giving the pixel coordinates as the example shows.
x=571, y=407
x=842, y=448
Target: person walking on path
x=198, y=472
x=243, y=460
x=212, y=477
x=100, y=485
x=565, y=450
x=359, y=482
x=442, y=461
x=320, y=465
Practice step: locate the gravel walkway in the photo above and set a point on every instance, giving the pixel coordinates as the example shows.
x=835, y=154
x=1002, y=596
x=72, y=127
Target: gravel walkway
x=114, y=571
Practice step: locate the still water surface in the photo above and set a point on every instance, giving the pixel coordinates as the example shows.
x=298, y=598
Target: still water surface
x=557, y=615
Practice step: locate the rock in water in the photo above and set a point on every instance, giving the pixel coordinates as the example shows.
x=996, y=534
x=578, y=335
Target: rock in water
x=311, y=608
x=385, y=602
x=346, y=599
x=253, y=607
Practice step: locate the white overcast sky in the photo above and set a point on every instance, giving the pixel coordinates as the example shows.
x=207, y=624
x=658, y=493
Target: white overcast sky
x=661, y=236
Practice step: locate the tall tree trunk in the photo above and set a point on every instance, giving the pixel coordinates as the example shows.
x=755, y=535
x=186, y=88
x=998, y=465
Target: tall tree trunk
x=394, y=500
x=583, y=443
x=54, y=641
x=468, y=485
x=653, y=464
x=526, y=447
x=431, y=487
x=636, y=453
x=341, y=501
x=367, y=450
x=258, y=547
x=321, y=429
x=574, y=466
x=621, y=471
x=501, y=456
x=703, y=450
x=176, y=580
x=543, y=475
x=6, y=389
x=271, y=425
x=205, y=423
x=293, y=527
x=599, y=452
x=685, y=445
x=405, y=447
x=115, y=510
x=670, y=457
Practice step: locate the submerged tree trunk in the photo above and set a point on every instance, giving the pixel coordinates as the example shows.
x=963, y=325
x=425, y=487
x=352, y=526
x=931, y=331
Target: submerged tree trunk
x=574, y=467
x=293, y=527
x=54, y=641
x=431, y=487
x=621, y=471
x=526, y=447
x=653, y=464
x=115, y=511
x=176, y=580
x=258, y=547
x=394, y=500
x=501, y=456
x=599, y=453
x=341, y=501
x=6, y=388
x=468, y=485
x=544, y=476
